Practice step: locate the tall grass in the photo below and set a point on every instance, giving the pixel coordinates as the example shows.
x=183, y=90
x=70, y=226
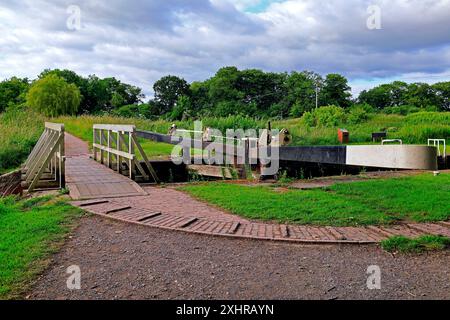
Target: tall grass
x=429, y=118
x=19, y=132
x=412, y=129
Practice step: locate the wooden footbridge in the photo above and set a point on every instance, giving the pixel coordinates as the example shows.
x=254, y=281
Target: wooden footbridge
x=60, y=160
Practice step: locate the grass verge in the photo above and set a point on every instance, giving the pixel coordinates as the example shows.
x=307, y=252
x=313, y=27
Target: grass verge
x=30, y=231
x=418, y=245
x=418, y=198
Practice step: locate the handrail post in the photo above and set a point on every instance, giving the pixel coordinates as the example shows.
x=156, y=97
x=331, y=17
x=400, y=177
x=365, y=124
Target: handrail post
x=131, y=151
x=102, y=154
x=119, y=159
x=94, y=142
x=62, y=160
x=108, y=160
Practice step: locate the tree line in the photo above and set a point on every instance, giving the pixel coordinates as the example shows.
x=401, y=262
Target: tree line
x=250, y=92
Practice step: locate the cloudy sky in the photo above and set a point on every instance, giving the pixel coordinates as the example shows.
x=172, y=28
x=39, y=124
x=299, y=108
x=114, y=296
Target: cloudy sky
x=140, y=41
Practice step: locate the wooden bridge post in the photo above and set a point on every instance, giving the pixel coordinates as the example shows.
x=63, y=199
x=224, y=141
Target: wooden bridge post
x=131, y=165
x=102, y=153
x=61, y=158
x=119, y=158
x=108, y=160
x=94, y=142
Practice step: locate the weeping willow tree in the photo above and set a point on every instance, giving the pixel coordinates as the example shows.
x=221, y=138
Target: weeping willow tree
x=53, y=96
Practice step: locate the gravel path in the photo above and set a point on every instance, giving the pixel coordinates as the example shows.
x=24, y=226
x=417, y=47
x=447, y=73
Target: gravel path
x=123, y=261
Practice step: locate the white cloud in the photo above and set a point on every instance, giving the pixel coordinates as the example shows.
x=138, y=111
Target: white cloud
x=140, y=41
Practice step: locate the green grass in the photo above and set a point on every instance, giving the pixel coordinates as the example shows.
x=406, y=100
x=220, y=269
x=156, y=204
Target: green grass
x=422, y=198
x=30, y=230
x=424, y=243
x=419, y=198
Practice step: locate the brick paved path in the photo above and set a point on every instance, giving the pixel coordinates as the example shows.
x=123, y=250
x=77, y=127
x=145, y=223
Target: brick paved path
x=171, y=209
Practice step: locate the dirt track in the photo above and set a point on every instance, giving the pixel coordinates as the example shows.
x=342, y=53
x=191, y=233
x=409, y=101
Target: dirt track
x=121, y=261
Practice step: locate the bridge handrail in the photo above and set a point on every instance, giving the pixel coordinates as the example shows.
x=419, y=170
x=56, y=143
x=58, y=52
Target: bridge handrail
x=46, y=156
x=437, y=143
x=115, y=127
x=120, y=142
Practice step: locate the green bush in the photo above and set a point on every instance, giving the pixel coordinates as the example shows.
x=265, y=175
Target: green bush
x=329, y=116
x=53, y=96
x=182, y=109
x=297, y=110
x=358, y=114
x=129, y=111
x=141, y=111
x=12, y=92
x=308, y=119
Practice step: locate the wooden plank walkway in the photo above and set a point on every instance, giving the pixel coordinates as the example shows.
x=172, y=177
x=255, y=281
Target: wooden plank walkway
x=88, y=179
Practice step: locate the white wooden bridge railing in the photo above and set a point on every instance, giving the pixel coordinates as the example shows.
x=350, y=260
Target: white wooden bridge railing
x=45, y=166
x=114, y=145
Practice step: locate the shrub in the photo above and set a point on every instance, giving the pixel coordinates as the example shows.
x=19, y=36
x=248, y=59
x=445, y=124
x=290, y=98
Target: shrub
x=141, y=111
x=129, y=111
x=297, y=110
x=182, y=108
x=357, y=114
x=308, y=119
x=12, y=92
x=53, y=96
x=329, y=116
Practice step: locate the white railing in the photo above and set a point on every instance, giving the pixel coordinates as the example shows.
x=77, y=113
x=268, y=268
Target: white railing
x=114, y=145
x=437, y=143
x=46, y=158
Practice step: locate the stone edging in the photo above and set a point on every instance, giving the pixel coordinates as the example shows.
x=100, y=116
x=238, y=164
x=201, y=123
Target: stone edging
x=113, y=209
